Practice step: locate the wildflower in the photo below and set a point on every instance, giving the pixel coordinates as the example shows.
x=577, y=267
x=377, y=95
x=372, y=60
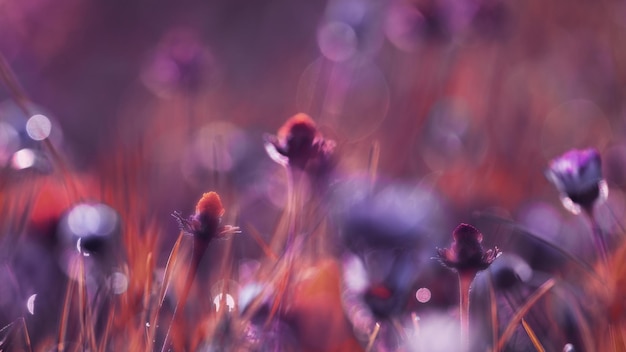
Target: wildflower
x=467, y=252
x=205, y=222
x=204, y=226
x=577, y=174
x=467, y=257
x=298, y=143
x=384, y=235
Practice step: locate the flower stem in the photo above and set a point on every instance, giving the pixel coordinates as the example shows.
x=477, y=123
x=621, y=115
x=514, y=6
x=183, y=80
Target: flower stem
x=598, y=238
x=465, y=281
x=199, y=248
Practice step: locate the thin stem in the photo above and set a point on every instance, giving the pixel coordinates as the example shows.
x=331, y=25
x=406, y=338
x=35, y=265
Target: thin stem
x=521, y=312
x=199, y=248
x=598, y=238
x=372, y=338
x=417, y=331
x=465, y=281
x=493, y=310
x=291, y=208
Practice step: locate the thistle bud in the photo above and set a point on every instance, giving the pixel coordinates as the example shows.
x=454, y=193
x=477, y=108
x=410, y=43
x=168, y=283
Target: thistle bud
x=205, y=222
x=467, y=252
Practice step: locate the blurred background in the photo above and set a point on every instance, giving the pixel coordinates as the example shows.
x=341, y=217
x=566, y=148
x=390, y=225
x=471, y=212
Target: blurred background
x=480, y=94
x=467, y=100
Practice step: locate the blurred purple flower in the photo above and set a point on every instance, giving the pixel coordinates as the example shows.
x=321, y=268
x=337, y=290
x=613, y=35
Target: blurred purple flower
x=385, y=235
x=467, y=253
x=180, y=62
x=577, y=174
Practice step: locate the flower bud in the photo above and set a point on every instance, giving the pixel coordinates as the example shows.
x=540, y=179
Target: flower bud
x=467, y=253
x=298, y=142
x=205, y=222
x=577, y=175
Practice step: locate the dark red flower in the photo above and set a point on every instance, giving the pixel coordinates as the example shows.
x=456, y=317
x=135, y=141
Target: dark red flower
x=467, y=252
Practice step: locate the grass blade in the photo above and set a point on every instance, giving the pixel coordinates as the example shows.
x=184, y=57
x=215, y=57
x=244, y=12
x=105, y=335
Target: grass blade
x=372, y=167
x=521, y=230
x=508, y=332
x=533, y=337
x=169, y=267
x=259, y=240
x=69, y=292
x=373, y=336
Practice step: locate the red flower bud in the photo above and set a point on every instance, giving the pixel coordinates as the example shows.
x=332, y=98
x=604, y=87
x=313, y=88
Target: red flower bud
x=204, y=223
x=298, y=142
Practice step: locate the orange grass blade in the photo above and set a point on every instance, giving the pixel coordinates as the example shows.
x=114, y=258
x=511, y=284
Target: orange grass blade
x=146, y=303
x=65, y=315
x=372, y=337
x=615, y=337
x=8, y=77
x=9, y=330
x=533, y=337
x=169, y=266
x=284, y=278
x=275, y=278
x=508, y=332
x=259, y=240
x=26, y=334
x=280, y=292
x=199, y=249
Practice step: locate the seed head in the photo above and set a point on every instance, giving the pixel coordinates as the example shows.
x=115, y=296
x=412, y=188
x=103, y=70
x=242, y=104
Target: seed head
x=467, y=253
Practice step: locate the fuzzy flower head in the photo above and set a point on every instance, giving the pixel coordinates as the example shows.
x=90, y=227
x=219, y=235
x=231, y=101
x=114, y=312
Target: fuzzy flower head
x=467, y=253
x=205, y=222
x=298, y=142
x=577, y=174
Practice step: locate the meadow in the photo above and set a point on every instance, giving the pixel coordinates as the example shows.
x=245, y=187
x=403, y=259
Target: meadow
x=292, y=175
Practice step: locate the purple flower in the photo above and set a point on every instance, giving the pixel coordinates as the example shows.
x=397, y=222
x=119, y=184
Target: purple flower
x=577, y=174
x=467, y=253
